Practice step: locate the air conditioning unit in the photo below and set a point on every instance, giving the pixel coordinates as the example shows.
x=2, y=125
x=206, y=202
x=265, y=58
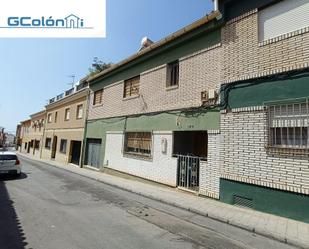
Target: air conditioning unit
x=209, y=98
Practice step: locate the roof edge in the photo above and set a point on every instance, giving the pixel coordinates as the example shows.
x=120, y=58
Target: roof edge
x=213, y=15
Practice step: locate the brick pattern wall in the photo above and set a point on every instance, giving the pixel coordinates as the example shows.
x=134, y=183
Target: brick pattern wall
x=245, y=57
x=162, y=167
x=198, y=72
x=244, y=157
x=210, y=170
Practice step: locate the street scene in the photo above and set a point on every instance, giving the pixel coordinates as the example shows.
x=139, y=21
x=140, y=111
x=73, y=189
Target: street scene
x=48, y=207
x=154, y=124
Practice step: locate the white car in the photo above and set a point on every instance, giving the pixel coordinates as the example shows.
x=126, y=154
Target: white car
x=9, y=163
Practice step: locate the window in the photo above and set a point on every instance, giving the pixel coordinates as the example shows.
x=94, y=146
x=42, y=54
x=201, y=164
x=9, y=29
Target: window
x=138, y=143
x=98, y=97
x=63, y=146
x=67, y=114
x=56, y=116
x=49, y=118
x=173, y=74
x=131, y=87
x=79, y=112
x=288, y=128
x=282, y=18
x=37, y=144
x=190, y=143
x=48, y=143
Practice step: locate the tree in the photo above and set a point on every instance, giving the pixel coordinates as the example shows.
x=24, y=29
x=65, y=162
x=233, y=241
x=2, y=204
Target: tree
x=98, y=66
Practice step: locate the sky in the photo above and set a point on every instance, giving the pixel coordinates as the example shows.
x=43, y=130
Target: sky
x=35, y=70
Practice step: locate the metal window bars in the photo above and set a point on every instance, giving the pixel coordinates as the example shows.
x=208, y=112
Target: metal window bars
x=288, y=128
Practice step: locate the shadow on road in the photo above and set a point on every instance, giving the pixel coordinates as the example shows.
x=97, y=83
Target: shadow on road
x=11, y=232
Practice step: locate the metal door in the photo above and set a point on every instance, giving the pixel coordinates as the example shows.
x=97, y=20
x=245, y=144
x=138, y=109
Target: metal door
x=93, y=153
x=188, y=172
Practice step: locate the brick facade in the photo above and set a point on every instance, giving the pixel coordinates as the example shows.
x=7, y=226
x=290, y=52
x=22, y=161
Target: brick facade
x=210, y=170
x=244, y=56
x=197, y=72
x=161, y=167
x=244, y=157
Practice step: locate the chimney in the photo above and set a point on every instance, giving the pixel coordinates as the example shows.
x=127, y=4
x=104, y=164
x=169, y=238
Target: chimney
x=216, y=5
x=146, y=42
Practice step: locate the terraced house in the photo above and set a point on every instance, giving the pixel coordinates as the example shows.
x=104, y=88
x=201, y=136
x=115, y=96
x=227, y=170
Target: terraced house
x=32, y=134
x=25, y=136
x=147, y=117
x=156, y=115
x=264, y=117
x=64, y=128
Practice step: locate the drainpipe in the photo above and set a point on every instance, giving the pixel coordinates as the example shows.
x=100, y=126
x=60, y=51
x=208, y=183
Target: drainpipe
x=42, y=139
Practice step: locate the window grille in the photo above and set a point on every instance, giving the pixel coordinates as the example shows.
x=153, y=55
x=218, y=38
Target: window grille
x=138, y=143
x=288, y=128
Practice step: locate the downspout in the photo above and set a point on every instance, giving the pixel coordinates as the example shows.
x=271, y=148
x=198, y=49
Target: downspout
x=85, y=129
x=42, y=142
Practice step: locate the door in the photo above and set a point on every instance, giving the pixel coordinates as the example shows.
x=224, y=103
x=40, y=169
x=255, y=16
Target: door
x=188, y=172
x=76, y=149
x=93, y=155
x=54, y=147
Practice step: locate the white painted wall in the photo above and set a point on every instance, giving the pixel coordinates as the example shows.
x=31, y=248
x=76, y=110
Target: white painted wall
x=161, y=168
x=210, y=169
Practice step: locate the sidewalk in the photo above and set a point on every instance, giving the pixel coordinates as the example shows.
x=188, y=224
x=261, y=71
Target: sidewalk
x=286, y=230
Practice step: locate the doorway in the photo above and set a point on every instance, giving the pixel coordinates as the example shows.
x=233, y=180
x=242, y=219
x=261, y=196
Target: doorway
x=190, y=147
x=54, y=147
x=75, y=152
x=93, y=152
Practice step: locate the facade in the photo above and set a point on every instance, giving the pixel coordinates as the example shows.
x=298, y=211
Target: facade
x=25, y=137
x=146, y=116
x=32, y=134
x=18, y=137
x=264, y=116
x=220, y=108
x=2, y=136
x=154, y=115
x=9, y=140
x=64, y=126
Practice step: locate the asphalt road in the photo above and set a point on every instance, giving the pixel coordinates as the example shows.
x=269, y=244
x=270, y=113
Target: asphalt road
x=50, y=208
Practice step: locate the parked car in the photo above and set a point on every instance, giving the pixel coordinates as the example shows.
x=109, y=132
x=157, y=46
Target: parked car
x=9, y=163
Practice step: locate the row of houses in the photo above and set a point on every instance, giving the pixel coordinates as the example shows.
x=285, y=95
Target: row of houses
x=219, y=108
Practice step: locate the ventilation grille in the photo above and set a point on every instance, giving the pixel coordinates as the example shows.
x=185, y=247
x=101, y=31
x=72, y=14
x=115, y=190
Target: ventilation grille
x=243, y=202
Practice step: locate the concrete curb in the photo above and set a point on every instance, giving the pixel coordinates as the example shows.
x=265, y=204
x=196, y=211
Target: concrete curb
x=245, y=227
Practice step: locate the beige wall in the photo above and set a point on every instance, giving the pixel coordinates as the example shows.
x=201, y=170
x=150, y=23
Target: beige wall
x=244, y=57
x=197, y=72
x=70, y=130
x=67, y=134
x=32, y=133
x=60, y=108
